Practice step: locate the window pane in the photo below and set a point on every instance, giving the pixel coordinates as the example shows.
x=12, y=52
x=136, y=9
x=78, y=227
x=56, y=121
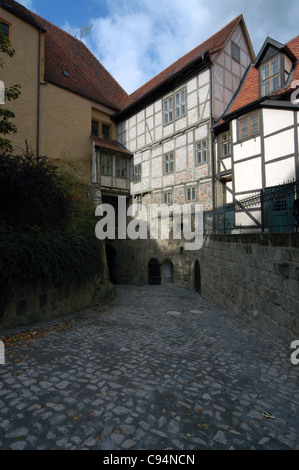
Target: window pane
x=266, y=71
x=95, y=128
x=254, y=124
x=5, y=29
x=266, y=87
x=105, y=132
x=275, y=83
x=274, y=67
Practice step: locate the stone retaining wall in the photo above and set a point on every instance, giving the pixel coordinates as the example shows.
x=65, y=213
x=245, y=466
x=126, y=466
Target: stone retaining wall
x=29, y=304
x=256, y=277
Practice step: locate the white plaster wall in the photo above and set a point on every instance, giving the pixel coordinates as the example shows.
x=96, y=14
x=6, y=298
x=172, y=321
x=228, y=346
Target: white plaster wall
x=282, y=171
x=248, y=175
x=147, y=136
x=247, y=148
x=243, y=219
x=279, y=145
x=227, y=72
x=275, y=120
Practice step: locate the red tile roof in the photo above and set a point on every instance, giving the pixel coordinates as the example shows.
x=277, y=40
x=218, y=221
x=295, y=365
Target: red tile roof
x=63, y=52
x=213, y=44
x=110, y=145
x=249, y=91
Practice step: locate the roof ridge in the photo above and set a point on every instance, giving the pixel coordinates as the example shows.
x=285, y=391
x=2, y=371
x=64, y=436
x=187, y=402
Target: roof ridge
x=79, y=42
x=235, y=20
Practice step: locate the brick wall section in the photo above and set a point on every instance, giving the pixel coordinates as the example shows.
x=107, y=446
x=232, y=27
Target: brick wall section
x=256, y=277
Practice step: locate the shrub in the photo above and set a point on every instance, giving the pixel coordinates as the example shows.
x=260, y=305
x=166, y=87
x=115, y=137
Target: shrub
x=32, y=193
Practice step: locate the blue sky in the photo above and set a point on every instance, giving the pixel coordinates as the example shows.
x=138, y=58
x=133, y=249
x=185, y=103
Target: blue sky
x=136, y=39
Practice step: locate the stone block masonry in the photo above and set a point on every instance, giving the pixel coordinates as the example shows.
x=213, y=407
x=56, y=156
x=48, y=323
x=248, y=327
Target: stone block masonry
x=255, y=276
x=29, y=304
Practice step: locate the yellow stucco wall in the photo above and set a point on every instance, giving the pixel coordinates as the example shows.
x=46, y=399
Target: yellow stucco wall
x=22, y=69
x=64, y=117
x=65, y=126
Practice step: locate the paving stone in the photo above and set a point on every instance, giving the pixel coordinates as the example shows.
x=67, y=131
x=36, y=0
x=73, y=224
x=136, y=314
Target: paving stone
x=134, y=377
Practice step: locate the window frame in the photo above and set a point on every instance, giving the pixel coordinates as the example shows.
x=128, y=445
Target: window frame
x=236, y=48
x=191, y=189
x=106, y=168
x=121, y=169
x=167, y=197
x=137, y=174
x=138, y=199
x=93, y=124
x=199, y=152
x=6, y=24
x=180, y=104
x=269, y=79
x=178, y=107
x=109, y=131
x=167, y=162
x=227, y=141
x=250, y=133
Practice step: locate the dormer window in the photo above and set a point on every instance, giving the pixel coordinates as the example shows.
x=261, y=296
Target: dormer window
x=270, y=76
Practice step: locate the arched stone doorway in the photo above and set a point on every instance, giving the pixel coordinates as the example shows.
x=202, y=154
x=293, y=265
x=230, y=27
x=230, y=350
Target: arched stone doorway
x=111, y=262
x=197, y=277
x=154, y=272
x=168, y=272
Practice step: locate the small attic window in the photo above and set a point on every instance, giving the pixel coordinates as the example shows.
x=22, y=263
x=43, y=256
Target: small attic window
x=235, y=52
x=66, y=74
x=270, y=76
x=170, y=73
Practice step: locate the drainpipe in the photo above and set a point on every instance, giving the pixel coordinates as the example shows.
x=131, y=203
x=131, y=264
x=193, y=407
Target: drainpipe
x=212, y=138
x=209, y=65
x=38, y=95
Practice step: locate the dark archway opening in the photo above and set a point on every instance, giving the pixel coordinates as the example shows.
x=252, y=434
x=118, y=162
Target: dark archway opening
x=154, y=272
x=197, y=277
x=168, y=272
x=111, y=262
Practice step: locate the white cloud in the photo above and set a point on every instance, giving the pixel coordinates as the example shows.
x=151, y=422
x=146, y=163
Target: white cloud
x=137, y=39
x=27, y=3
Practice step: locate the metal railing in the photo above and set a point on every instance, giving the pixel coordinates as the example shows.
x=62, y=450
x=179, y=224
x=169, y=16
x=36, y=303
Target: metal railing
x=274, y=209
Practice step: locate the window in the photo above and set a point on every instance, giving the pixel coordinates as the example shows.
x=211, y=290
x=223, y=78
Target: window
x=121, y=167
x=168, y=110
x=105, y=131
x=137, y=173
x=179, y=101
x=280, y=204
x=235, y=52
x=95, y=128
x=225, y=144
x=4, y=28
x=249, y=126
x=270, y=76
x=167, y=198
x=180, y=104
x=168, y=163
x=106, y=165
x=201, y=152
x=191, y=194
x=139, y=202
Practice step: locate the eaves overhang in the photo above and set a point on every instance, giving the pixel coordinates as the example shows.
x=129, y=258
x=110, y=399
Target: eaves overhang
x=198, y=64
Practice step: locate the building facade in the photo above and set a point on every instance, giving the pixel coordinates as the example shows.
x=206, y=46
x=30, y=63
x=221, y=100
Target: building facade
x=257, y=142
x=67, y=97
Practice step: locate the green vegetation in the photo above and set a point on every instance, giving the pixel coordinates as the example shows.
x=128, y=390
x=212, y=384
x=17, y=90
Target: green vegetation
x=11, y=93
x=47, y=225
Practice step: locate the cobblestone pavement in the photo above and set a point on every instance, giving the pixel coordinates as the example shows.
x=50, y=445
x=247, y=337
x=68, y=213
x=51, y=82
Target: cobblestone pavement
x=157, y=369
